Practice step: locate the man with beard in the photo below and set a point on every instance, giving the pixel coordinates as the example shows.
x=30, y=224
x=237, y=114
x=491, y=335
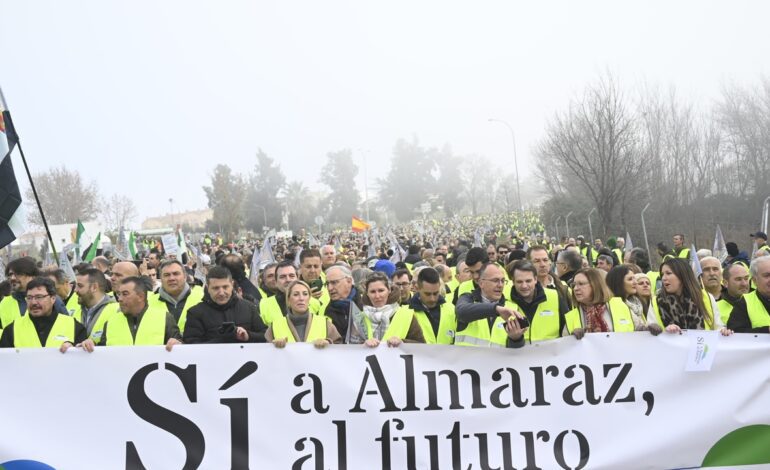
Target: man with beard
x=222, y=317
x=19, y=272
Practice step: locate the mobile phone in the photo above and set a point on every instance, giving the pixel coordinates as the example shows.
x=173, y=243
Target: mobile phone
x=227, y=327
x=316, y=284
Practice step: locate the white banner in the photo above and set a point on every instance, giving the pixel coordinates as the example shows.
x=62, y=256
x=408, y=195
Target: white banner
x=607, y=401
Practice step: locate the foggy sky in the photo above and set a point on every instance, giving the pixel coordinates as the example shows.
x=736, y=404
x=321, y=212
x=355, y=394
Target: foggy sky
x=147, y=97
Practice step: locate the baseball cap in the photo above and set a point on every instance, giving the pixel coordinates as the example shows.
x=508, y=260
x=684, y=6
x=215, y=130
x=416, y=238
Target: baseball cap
x=761, y=235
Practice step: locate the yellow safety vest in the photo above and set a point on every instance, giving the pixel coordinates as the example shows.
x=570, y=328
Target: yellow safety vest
x=447, y=325
x=708, y=322
x=725, y=309
x=619, y=253
x=478, y=332
x=653, y=276
x=545, y=322
x=269, y=309
x=619, y=312
x=73, y=305
x=684, y=254
x=25, y=335
x=10, y=310
x=195, y=297
x=151, y=330
x=98, y=328
x=757, y=314
x=317, y=328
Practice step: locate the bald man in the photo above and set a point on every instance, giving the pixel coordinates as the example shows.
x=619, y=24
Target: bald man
x=122, y=270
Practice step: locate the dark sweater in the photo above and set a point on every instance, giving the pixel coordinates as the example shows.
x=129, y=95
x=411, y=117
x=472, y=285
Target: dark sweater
x=205, y=319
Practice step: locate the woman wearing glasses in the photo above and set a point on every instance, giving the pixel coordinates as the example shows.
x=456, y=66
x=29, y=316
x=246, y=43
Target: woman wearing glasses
x=596, y=310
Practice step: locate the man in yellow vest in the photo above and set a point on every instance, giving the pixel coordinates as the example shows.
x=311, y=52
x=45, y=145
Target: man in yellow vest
x=175, y=295
x=136, y=323
x=328, y=256
x=95, y=305
x=482, y=314
x=42, y=326
x=680, y=251
x=737, y=282
x=18, y=272
x=760, y=238
x=542, y=307
x=538, y=256
x=751, y=314
x=65, y=289
x=434, y=314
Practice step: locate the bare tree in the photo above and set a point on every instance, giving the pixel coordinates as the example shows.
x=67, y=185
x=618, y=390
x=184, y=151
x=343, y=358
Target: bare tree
x=65, y=197
x=119, y=211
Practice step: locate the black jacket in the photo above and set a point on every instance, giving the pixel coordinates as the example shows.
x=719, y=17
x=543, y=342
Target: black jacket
x=739, y=320
x=205, y=320
x=43, y=327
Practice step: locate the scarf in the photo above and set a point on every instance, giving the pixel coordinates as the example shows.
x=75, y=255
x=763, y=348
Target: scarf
x=595, y=319
x=380, y=318
x=636, y=307
x=680, y=311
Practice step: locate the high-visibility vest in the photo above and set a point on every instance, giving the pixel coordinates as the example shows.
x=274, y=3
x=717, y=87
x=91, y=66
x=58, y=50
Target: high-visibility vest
x=98, y=328
x=758, y=316
x=619, y=253
x=545, y=322
x=447, y=325
x=478, y=332
x=25, y=335
x=318, y=328
x=619, y=312
x=10, y=310
x=653, y=276
x=269, y=309
x=765, y=248
x=73, y=304
x=151, y=330
x=725, y=309
x=684, y=254
x=708, y=322
x=195, y=297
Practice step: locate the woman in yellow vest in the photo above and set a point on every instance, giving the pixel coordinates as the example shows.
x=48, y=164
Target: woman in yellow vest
x=596, y=311
x=681, y=303
x=381, y=302
x=621, y=281
x=299, y=325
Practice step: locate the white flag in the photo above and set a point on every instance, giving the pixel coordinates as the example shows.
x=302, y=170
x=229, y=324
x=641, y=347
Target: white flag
x=720, y=249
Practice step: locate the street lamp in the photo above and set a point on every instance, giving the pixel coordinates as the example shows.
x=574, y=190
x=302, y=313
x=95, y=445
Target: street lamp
x=590, y=228
x=171, y=210
x=366, y=186
x=515, y=159
x=566, y=222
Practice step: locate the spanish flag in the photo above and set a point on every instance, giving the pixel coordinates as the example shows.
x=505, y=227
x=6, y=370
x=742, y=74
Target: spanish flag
x=359, y=225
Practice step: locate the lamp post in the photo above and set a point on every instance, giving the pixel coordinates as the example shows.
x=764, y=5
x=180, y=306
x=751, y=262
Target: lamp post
x=366, y=185
x=590, y=228
x=644, y=229
x=558, y=238
x=171, y=211
x=566, y=221
x=515, y=159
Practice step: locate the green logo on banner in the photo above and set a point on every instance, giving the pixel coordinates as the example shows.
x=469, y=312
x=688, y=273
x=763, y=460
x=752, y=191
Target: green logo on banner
x=744, y=446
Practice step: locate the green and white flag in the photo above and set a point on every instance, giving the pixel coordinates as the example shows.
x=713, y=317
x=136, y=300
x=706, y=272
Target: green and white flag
x=182, y=244
x=80, y=242
x=132, y=245
x=94, y=246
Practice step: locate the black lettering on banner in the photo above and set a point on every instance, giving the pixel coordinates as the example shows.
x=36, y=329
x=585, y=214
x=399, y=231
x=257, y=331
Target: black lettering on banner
x=317, y=453
x=539, y=385
x=163, y=418
x=529, y=445
x=569, y=392
x=239, y=432
x=622, y=374
x=558, y=450
x=382, y=387
x=514, y=384
x=316, y=390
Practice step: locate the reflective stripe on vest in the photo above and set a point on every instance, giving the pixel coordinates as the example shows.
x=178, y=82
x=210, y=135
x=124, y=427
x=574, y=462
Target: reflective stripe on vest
x=73, y=305
x=545, y=322
x=619, y=313
x=194, y=298
x=685, y=253
x=10, y=310
x=478, y=333
x=151, y=330
x=25, y=335
x=758, y=316
x=318, y=329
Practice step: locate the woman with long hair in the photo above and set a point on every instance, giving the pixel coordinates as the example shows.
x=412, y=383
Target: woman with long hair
x=681, y=303
x=596, y=311
x=622, y=283
x=299, y=325
x=381, y=301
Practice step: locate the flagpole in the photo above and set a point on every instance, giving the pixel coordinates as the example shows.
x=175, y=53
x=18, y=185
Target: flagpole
x=29, y=176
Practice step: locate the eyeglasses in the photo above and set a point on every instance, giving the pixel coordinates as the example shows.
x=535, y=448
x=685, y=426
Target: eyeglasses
x=334, y=282
x=495, y=281
x=36, y=298
x=402, y=284
x=581, y=284
x=503, y=252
